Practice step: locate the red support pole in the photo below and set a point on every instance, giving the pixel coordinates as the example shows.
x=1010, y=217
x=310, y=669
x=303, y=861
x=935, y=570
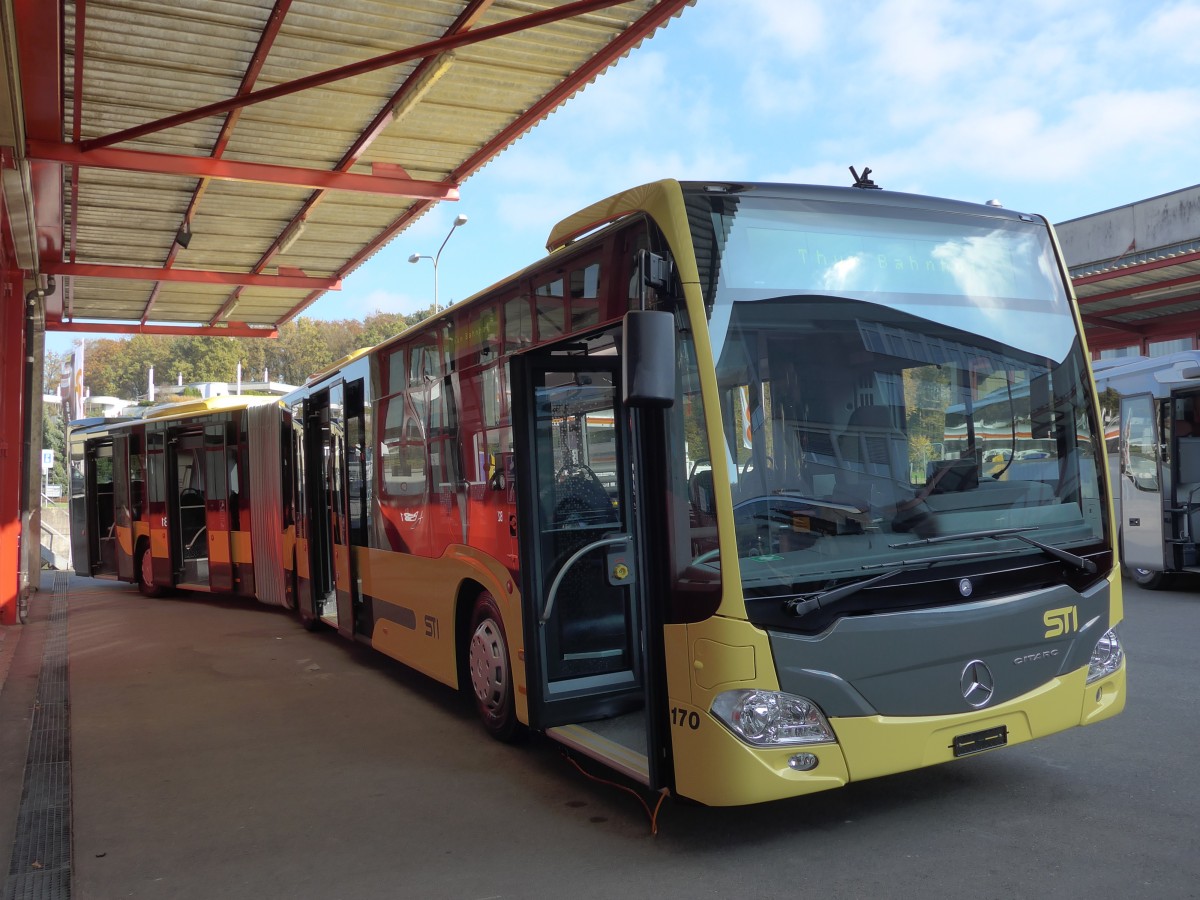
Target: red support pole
x=12, y=374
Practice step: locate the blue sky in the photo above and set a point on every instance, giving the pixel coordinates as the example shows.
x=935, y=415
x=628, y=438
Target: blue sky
x=1058, y=107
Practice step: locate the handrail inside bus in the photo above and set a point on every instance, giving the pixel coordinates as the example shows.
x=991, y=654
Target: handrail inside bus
x=575, y=557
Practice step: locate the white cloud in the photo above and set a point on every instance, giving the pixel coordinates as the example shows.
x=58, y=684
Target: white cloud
x=1172, y=31
x=786, y=29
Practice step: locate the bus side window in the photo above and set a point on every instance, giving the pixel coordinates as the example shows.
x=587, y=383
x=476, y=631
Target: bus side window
x=585, y=297
x=551, y=310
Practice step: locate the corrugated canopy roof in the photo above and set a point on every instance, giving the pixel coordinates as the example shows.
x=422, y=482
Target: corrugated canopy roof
x=1136, y=269
x=216, y=165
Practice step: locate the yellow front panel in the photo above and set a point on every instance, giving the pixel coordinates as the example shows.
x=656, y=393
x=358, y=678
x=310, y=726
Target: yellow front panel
x=714, y=767
x=882, y=745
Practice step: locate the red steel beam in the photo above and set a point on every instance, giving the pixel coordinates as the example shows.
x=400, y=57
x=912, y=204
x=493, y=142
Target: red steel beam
x=616, y=48
x=467, y=18
x=231, y=329
x=1138, y=269
x=431, y=48
x=265, y=41
x=191, y=276
x=1092, y=322
x=228, y=170
x=1141, y=289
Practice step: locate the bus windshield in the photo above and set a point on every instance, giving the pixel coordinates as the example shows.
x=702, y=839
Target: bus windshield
x=891, y=379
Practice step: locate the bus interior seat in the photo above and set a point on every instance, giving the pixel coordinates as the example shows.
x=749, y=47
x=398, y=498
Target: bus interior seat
x=872, y=443
x=580, y=498
x=875, y=458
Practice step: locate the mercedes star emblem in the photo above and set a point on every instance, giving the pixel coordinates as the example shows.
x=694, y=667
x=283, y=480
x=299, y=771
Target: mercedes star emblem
x=977, y=683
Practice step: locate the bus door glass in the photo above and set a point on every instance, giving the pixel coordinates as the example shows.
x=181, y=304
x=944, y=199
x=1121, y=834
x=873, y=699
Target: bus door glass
x=102, y=519
x=190, y=535
x=1141, y=486
x=219, y=502
x=123, y=515
x=581, y=581
x=341, y=611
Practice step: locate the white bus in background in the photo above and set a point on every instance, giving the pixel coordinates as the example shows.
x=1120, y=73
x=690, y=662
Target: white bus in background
x=1156, y=469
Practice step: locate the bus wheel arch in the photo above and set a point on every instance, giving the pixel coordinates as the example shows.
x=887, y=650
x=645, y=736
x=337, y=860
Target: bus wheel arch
x=487, y=660
x=144, y=570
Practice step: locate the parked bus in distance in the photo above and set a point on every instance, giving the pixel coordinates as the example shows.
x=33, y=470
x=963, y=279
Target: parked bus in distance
x=1157, y=463
x=710, y=494
x=193, y=495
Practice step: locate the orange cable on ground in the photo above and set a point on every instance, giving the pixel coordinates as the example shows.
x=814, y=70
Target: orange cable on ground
x=651, y=814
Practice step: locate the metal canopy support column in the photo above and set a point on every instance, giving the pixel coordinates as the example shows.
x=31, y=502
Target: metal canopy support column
x=12, y=417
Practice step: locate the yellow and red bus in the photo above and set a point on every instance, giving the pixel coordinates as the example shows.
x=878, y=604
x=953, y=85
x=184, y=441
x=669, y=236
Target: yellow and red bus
x=679, y=496
x=194, y=495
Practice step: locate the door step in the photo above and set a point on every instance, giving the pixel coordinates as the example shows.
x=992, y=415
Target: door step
x=624, y=760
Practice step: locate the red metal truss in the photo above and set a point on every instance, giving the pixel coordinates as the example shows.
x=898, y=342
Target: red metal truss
x=230, y=329
x=1131, y=328
x=265, y=41
x=618, y=47
x=420, y=51
x=468, y=17
x=228, y=170
x=191, y=276
x=1132, y=292
x=1138, y=269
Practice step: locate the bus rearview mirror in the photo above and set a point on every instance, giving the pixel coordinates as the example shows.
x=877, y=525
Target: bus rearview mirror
x=648, y=358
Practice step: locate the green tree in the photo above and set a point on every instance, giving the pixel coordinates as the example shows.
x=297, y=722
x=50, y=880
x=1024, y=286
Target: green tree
x=54, y=438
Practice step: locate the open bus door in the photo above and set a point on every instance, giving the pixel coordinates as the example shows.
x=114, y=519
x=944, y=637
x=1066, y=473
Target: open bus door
x=100, y=506
x=189, y=516
x=217, y=513
x=122, y=507
x=1141, y=525
x=587, y=625
x=335, y=585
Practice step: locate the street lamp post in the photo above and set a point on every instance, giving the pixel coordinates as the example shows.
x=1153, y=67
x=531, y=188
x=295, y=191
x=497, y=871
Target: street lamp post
x=417, y=257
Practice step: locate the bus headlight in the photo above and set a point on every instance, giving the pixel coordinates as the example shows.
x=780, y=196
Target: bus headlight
x=1107, y=657
x=772, y=718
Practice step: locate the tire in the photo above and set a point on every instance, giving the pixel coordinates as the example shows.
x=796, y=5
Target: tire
x=1151, y=580
x=489, y=671
x=144, y=571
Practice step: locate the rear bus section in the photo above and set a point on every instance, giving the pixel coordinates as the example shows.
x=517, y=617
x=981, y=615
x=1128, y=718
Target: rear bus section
x=193, y=495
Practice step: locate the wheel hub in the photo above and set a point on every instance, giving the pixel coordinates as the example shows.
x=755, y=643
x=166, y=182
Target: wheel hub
x=488, y=665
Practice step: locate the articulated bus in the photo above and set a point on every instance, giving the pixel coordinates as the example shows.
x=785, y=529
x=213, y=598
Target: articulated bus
x=1157, y=463
x=681, y=496
x=194, y=495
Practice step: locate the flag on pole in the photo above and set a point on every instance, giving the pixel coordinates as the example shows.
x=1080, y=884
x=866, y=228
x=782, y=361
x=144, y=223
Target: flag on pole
x=77, y=394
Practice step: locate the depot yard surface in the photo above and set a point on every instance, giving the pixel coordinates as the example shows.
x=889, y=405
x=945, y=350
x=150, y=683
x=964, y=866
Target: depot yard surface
x=217, y=749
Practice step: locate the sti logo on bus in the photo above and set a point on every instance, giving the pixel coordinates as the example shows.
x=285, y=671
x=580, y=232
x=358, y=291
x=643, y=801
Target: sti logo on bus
x=1061, y=621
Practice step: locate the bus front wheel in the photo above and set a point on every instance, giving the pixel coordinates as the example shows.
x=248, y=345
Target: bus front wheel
x=491, y=671
x=145, y=572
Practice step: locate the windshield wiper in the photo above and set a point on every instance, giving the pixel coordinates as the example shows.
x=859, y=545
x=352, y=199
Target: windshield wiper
x=1061, y=555
x=802, y=606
